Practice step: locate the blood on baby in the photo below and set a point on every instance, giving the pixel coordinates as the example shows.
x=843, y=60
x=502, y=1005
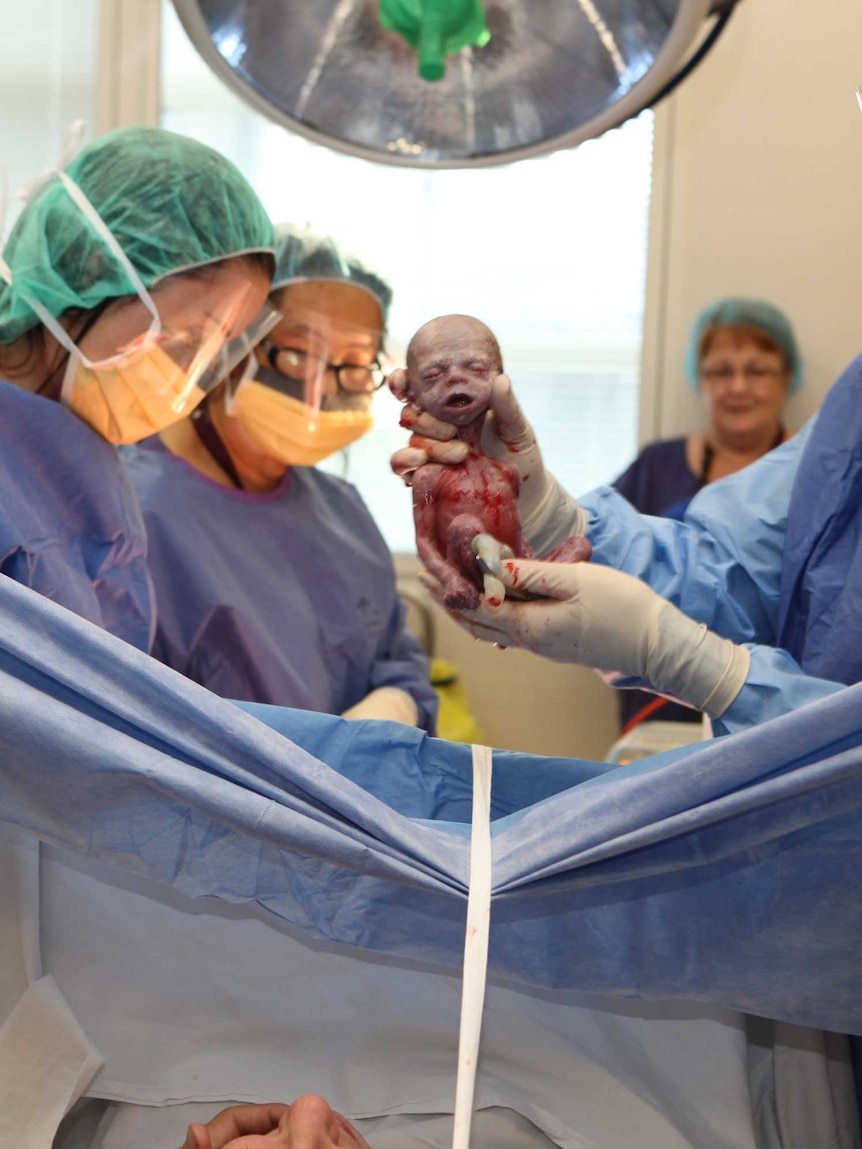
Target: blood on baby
x=451, y=366
x=514, y=572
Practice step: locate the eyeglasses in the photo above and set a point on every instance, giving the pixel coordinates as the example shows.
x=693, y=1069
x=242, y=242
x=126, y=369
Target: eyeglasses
x=352, y=378
x=751, y=373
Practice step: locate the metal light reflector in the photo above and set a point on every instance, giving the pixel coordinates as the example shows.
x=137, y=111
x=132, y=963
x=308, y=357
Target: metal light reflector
x=554, y=73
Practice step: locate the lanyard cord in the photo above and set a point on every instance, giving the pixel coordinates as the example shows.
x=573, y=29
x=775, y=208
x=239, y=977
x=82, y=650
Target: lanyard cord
x=213, y=442
x=475, y=947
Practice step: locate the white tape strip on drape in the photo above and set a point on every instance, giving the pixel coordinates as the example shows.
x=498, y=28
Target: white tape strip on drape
x=475, y=946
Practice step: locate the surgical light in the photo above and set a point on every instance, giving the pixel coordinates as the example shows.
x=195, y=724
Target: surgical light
x=452, y=83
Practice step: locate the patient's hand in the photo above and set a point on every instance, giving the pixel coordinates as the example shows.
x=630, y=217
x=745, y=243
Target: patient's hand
x=237, y=1121
x=307, y=1124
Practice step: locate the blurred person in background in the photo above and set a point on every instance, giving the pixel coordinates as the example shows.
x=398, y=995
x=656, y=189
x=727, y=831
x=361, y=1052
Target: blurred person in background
x=743, y=359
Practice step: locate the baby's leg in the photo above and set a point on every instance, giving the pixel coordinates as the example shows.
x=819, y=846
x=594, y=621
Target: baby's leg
x=459, y=553
x=457, y=591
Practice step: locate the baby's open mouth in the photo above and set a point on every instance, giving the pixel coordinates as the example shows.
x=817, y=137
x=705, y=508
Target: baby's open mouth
x=459, y=399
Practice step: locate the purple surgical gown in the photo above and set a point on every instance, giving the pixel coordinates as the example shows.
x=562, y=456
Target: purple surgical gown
x=659, y=478
x=70, y=527
x=285, y=597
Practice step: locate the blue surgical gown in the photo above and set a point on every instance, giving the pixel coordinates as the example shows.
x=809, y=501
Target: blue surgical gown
x=766, y=557
x=284, y=597
x=70, y=527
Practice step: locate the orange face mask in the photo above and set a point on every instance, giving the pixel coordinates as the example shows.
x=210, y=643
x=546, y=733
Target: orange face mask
x=128, y=403
x=292, y=432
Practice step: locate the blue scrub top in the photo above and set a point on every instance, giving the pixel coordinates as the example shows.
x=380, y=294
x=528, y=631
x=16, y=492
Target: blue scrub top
x=285, y=597
x=70, y=527
x=770, y=557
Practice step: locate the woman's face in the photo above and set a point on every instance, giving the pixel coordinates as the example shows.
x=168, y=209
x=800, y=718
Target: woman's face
x=326, y=324
x=744, y=386
x=207, y=309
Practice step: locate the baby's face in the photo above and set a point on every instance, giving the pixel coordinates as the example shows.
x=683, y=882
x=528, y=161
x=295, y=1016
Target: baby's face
x=451, y=366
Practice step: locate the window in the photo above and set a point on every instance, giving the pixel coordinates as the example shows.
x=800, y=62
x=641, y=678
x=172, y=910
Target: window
x=550, y=252
x=48, y=70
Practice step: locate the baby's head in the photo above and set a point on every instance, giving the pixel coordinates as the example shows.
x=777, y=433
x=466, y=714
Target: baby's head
x=452, y=361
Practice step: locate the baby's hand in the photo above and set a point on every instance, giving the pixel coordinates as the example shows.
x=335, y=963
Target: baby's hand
x=431, y=441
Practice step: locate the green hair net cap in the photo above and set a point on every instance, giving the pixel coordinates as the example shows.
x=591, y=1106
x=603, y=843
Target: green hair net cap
x=171, y=203
x=739, y=312
x=301, y=254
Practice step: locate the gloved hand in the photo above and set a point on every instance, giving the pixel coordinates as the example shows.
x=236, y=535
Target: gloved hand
x=610, y=621
x=549, y=515
x=386, y=702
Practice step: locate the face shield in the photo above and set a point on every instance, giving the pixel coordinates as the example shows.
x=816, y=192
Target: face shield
x=214, y=356
x=307, y=389
x=157, y=378
x=325, y=364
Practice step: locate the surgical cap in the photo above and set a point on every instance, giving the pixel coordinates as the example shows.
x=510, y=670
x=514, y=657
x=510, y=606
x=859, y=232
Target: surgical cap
x=754, y=313
x=302, y=254
x=170, y=202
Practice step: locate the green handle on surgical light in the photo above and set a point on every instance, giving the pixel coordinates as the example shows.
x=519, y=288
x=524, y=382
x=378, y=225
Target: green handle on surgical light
x=436, y=29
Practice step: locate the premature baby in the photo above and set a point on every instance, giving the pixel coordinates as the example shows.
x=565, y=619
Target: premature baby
x=466, y=509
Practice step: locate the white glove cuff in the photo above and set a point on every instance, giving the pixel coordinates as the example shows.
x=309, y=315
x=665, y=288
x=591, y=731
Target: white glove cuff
x=690, y=661
x=553, y=517
x=731, y=682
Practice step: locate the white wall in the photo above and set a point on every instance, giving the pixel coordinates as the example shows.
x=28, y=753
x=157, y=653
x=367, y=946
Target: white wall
x=758, y=190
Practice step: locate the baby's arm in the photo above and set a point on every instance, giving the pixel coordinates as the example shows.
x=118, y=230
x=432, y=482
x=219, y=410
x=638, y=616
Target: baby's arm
x=426, y=487
x=431, y=484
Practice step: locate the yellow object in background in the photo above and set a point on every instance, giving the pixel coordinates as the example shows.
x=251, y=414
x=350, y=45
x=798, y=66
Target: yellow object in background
x=455, y=720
